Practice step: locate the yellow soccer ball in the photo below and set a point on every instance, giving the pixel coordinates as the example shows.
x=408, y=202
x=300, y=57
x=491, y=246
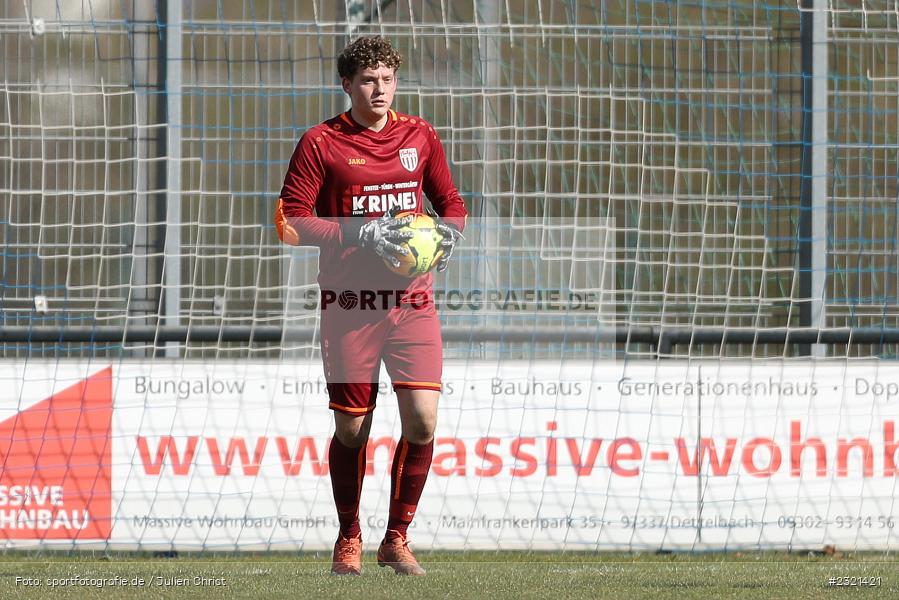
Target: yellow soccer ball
x=424, y=246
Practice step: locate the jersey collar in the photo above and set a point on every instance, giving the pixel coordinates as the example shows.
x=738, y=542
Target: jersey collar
x=347, y=118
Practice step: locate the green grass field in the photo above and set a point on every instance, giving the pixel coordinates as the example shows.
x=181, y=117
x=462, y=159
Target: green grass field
x=456, y=575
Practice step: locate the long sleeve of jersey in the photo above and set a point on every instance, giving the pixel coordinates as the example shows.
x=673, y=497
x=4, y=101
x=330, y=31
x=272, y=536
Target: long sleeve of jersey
x=295, y=220
x=438, y=185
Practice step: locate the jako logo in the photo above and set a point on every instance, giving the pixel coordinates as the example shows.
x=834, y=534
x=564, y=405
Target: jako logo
x=55, y=478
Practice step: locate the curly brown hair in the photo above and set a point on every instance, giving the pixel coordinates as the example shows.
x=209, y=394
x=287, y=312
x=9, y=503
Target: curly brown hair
x=367, y=53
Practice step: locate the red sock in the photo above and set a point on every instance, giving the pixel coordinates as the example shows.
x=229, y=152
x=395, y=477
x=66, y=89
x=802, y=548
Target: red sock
x=411, y=464
x=347, y=467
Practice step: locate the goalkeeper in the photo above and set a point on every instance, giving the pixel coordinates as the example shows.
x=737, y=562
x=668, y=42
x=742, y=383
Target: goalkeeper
x=347, y=180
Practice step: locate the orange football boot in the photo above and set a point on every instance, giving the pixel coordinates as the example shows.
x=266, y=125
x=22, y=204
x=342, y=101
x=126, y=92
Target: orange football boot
x=347, y=556
x=394, y=553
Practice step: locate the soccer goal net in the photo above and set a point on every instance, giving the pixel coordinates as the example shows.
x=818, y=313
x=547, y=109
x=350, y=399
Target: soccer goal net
x=672, y=324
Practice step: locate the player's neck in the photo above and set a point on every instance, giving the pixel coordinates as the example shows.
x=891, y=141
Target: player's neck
x=372, y=122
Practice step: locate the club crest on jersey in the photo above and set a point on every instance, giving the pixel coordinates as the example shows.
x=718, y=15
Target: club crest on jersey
x=409, y=158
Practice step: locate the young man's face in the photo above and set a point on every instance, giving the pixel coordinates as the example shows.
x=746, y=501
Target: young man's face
x=371, y=91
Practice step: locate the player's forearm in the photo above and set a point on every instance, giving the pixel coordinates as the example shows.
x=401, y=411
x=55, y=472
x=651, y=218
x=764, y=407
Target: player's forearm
x=299, y=228
x=442, y=192
x=457, y=219
x=448, y=203
x=452, y=210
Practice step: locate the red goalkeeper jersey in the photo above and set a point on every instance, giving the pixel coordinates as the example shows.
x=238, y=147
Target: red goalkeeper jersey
x=341, y=170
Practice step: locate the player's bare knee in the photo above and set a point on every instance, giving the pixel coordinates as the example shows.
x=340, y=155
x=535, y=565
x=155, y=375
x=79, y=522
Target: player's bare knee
x=352, y=431
x=351, y=439
x=419, y=433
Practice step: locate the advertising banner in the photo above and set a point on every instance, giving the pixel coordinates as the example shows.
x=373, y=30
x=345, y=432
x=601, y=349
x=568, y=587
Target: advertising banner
x=528, y=455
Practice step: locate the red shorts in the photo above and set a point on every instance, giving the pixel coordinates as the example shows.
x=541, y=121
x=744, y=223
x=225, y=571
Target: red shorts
x=406, y=338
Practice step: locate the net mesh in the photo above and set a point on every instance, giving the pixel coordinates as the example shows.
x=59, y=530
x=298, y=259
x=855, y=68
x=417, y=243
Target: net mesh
x=675, y=129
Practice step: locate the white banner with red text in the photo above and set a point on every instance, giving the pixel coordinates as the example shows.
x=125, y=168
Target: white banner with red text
x=635, y=455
